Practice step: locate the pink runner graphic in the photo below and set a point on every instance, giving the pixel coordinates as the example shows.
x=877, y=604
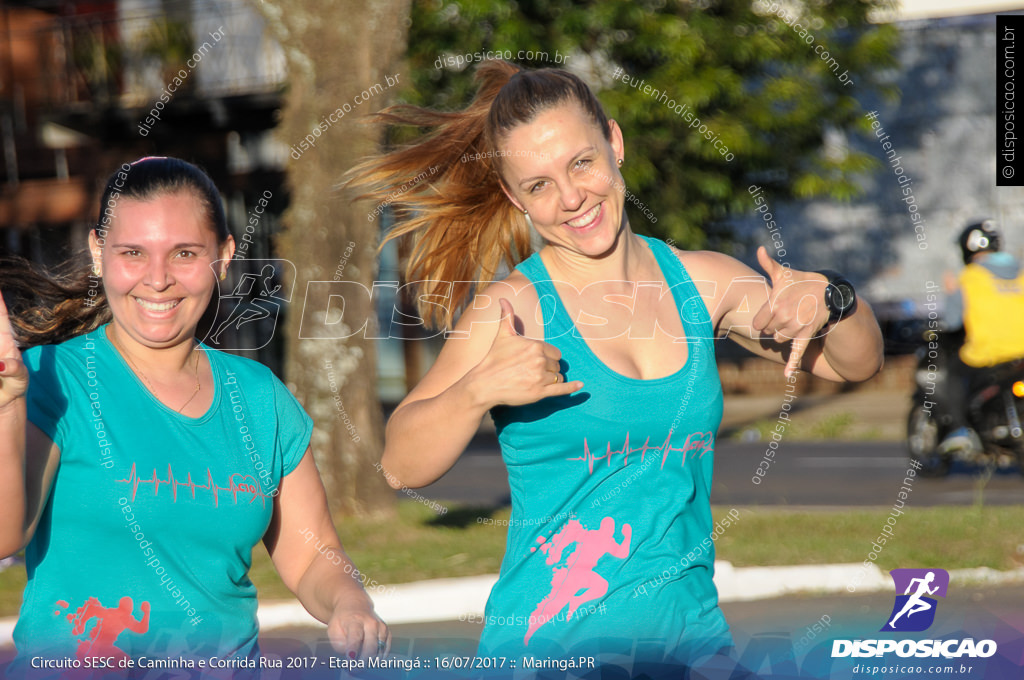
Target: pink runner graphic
x=577, y=582
x=108, y=624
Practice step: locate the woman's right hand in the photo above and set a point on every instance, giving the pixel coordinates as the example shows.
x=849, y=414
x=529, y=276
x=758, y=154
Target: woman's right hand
x=13, y=372
x=517, y=370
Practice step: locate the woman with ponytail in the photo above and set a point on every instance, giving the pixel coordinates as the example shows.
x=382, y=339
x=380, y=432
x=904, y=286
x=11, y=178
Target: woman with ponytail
x=139, y=467
x=594, y=356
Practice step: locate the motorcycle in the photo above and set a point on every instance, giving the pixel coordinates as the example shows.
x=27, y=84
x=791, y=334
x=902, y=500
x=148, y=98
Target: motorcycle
x=994, y=415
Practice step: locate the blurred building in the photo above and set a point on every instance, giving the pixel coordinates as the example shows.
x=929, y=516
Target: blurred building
x=943, y=130
x=86, y=86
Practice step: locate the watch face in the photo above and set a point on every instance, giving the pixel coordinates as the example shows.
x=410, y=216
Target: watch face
x=843, y=296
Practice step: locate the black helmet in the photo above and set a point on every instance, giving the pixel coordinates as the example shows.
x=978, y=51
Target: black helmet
x=978, y=237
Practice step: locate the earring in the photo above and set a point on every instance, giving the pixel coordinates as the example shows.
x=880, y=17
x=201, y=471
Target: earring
x=529, y=221
x=620, y=162
x=223, y=275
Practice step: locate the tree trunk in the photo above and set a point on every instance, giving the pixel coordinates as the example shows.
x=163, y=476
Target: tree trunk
x=336, y=52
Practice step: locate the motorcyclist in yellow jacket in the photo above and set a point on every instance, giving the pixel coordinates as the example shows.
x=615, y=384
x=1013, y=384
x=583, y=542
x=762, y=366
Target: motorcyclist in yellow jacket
x=990, y=306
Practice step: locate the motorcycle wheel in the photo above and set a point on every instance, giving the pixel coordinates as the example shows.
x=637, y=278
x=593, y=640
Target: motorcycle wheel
x=923, y=442
x=1018, y=444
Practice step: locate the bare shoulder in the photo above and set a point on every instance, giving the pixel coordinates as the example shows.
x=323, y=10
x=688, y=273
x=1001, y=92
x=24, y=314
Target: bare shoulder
x=722, y=281
x=474, y=332
x=516, y=284
x=485, y=308
x=713, y=272
x=710, y=265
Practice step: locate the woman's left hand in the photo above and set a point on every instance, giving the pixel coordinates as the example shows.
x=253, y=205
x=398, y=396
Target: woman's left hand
x=357, y=632
x=795, y=309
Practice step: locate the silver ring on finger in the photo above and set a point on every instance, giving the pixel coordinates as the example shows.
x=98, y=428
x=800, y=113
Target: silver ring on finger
x=381, y=645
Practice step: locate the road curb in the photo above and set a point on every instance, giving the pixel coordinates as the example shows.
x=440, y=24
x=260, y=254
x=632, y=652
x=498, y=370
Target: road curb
x=452, y=599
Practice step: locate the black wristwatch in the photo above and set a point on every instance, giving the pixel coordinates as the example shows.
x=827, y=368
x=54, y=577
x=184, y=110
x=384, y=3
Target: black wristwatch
x=840, y=297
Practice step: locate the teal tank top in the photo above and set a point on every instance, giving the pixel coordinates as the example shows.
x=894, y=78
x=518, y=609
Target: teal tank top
x=609, y=544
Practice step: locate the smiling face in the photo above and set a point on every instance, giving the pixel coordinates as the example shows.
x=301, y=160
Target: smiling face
x=156, y=267
x=561, y=169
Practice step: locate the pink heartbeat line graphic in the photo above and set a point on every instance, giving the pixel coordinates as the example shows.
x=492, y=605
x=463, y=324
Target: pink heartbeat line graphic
x=236, y=483
x=701, y=442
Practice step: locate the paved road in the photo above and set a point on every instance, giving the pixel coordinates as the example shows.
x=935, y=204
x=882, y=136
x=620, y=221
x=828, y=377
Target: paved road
x=805, y=474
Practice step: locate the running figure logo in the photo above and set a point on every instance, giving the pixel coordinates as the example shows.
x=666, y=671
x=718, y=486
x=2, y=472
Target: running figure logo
x=255, y=303
x=914, y=611
x=107, y=624
x=576, y=582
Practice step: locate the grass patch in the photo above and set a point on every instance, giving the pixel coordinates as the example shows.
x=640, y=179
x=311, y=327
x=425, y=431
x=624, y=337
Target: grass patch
x=831, y=426
x=418, y=544
x=12, y=585
x=842, y=426
x=872, y=434
x=761, y=430
x=948, y=537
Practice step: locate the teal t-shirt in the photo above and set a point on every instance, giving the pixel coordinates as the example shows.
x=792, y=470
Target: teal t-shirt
x=145, y=543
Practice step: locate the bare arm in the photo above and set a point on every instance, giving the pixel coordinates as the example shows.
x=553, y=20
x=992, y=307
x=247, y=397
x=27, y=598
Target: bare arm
x=42, y=457
x=780, y=318
x=307, y=553
x=28, y=459
x=12, y=476
x=486, y=362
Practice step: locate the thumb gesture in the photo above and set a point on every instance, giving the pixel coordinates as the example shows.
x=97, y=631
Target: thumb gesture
x=776, y=272
x=795, y=309
x=507, y=325
x=519, y=370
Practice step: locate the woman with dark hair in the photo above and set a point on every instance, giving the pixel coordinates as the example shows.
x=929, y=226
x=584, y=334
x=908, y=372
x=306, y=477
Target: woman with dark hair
x=139, y=466
x=595, y=356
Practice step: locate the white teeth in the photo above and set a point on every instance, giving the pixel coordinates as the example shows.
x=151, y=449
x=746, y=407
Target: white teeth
x=586, y=218
x=157, y=307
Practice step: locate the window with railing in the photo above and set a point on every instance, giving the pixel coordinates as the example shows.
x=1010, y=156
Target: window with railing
x=130, y=53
